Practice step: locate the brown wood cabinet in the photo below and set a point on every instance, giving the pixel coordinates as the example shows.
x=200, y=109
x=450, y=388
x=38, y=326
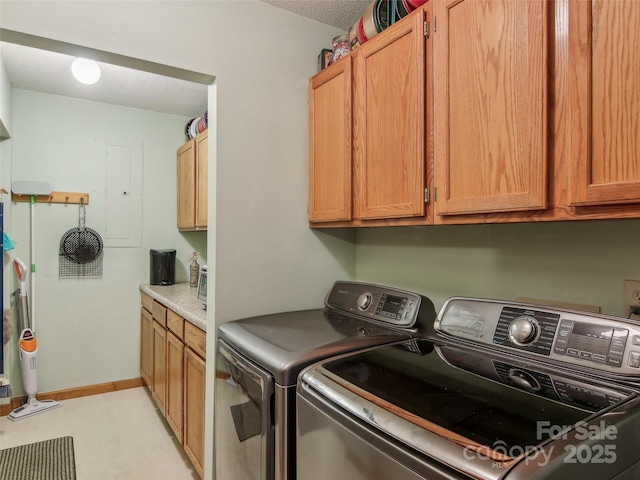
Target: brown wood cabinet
x=194, y=407
x=174, y=354
x=367, y=142
x=159, y=382
x=491, y=82
x=146, y=339
x=389, y=123
x=604, y=84
x=330, y=144
x=175, y=384
x=192, y=185
x=530, y=114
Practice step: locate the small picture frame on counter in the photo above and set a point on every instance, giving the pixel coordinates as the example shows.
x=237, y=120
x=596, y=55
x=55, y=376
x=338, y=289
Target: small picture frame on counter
x=324, y=58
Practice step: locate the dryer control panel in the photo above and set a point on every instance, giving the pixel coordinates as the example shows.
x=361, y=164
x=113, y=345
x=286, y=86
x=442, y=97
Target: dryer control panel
x=375, y=302
x=602, y=342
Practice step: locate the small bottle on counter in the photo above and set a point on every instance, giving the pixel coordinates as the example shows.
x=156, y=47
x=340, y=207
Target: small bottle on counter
x=194, y=270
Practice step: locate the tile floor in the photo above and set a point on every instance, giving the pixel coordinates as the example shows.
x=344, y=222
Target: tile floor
x=117, y=436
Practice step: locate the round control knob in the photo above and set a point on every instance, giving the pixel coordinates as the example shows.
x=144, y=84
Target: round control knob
x=524, y=380
x=364, y=301
x=524, y=330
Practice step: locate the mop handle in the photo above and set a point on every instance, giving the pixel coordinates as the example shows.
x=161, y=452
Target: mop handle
x=33, y=263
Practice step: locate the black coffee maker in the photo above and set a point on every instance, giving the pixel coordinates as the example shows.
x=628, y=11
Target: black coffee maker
x=162, y=267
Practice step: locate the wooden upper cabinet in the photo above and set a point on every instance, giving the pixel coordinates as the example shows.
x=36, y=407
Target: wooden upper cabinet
x=604, y=66
x=389, y=122
x=192, y=172
x=186, y=183
x=490, y=120
x=202, y=179
x=330, y=133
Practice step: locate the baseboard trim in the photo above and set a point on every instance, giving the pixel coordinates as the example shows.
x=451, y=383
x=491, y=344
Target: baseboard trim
x=75, y=393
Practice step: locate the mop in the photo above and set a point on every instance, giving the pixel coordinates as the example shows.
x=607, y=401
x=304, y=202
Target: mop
x=27, y=343
x=28, y=349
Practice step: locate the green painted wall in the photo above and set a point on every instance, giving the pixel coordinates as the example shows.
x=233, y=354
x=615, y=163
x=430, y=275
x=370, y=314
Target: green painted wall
x=578, y=262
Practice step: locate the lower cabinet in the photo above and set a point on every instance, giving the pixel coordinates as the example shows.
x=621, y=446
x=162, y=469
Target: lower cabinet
x=175, y=384
x=172, y=364
x=146, y=346
x=159, y=383
x=194, y=384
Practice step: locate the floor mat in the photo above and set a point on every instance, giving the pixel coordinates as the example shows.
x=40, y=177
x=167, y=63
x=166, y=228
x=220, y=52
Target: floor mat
x=48, y=460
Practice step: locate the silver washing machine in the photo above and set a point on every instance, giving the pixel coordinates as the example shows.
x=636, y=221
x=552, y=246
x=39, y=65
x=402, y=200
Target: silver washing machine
x=496, y=391
x=259, y=360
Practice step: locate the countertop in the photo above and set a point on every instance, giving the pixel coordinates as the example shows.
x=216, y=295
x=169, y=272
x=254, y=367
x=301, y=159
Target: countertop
x=182, y=299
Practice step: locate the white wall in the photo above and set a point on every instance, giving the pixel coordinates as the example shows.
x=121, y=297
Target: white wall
x=87, y=328
x=5, y=100
x=262, y=254
x=262, y=58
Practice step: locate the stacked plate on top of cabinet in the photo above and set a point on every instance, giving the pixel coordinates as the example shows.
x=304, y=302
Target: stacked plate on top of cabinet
x=378, y=15
x=196, y=125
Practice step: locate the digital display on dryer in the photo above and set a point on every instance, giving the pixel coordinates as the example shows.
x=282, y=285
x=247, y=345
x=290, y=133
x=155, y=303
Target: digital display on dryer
x=391, y=307
x=394, y=304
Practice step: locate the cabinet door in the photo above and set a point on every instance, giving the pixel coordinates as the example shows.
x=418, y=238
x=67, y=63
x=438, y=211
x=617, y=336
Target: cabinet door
x=175, y=384
x=604, y=67
x=194, y=395
x=159, y=390
x=490, y=120
x=146, y=346
x=202, y=180
x=330, y=144
x=389, y=123
x=186, y=185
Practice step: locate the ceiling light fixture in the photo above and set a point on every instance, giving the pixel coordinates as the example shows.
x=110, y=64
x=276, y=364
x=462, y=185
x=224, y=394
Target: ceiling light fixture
x=86, y=71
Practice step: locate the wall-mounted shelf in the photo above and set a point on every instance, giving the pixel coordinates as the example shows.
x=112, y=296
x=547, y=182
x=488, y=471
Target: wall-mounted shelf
x=54, y=197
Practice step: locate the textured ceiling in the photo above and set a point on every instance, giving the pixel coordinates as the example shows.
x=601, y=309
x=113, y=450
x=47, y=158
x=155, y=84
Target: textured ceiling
x=50, y=72
x=342, y=14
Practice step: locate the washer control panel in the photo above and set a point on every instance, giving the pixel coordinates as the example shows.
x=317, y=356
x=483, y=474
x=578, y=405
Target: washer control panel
x=591, y=341
x=526, y=328
x=596, y=341
x=578, y=394
x=535, y=380
x=383, y=304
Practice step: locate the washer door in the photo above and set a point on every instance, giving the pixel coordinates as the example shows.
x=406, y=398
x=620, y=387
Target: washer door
x=243, y=425
x=333, y=445
x=468, y=410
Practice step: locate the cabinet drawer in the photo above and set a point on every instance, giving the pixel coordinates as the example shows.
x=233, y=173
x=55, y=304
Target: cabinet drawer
x=160, y=313
x=195, y=339
x=147, y=301
x=175, y=323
